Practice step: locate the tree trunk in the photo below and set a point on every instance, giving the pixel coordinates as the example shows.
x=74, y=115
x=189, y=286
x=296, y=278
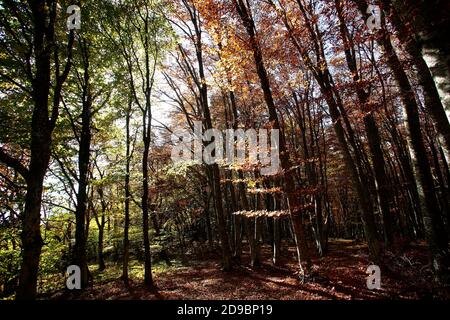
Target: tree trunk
x=79, y=254
x=276, y=241
x=31, y=234
x=206, y=197
x=148, y=279
x=126, y=227
x=101, y=231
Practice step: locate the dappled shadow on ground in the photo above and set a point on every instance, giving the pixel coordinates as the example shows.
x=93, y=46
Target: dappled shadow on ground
x=338, y=275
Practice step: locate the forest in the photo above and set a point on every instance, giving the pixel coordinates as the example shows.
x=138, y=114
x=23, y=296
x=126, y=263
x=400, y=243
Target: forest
x=224, y=149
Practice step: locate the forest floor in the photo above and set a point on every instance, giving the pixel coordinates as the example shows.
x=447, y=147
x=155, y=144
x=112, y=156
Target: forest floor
x=338, y=275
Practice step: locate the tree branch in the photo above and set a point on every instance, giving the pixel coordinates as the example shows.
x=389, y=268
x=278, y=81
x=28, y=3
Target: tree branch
x=14, y=163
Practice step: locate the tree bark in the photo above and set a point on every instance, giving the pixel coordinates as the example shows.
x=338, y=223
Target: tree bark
x=148, y=279
x=126, y=227
x=79, y=252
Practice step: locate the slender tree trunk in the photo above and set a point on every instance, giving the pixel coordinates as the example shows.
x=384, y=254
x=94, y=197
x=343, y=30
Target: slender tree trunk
x=101, y=231
x=221, y=224
x=146, y=138
x=276, y=241
x=440, y=178
x=206, y=198
x=126, y=227
x=241, y=188
x=79, y=253
x=101, y=227
x=148, y=279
